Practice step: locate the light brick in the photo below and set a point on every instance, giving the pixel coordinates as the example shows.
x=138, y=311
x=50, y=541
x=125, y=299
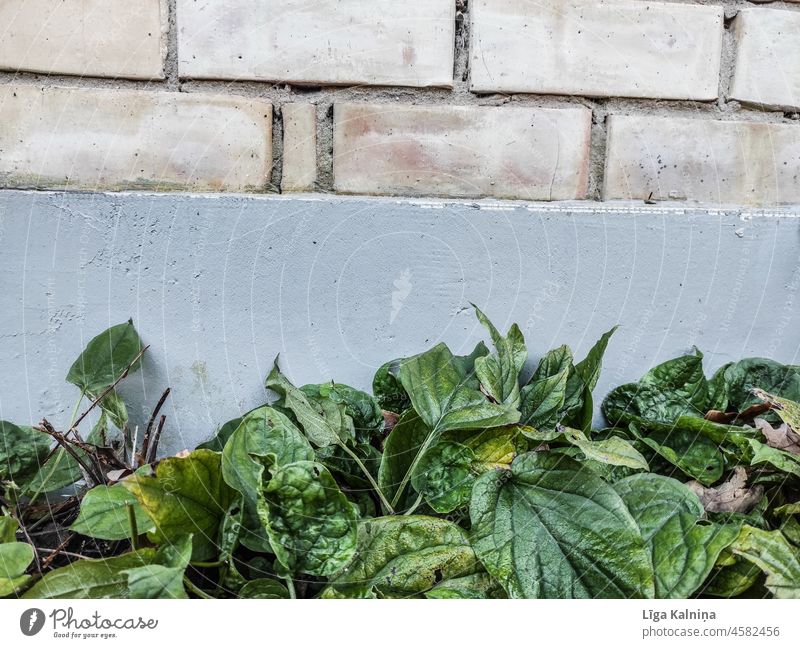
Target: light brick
x=504, y=152
x=625, y=48
x=325, y=42
x=702, y=160
x=767, y=71
x=299, y=147
x=103, y=38
x=126, y=139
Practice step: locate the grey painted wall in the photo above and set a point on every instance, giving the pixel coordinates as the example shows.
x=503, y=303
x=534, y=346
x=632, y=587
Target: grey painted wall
x=219, y=285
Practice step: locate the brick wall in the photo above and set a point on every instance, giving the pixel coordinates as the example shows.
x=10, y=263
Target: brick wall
x=523, y=99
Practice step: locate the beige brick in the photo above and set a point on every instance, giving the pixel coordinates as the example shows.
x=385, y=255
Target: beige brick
x=127, y=139
x=299, y=147
x=102, y=38
x=625, y=48
x=505, y=152
x=702, y=160
x=325, y=42
x=767, y=71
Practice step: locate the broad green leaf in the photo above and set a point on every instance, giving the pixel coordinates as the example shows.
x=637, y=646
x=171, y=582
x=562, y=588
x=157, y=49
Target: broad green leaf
x=404, y=556
x=264, y=588
x=104, y=514
x=683, y=379
x=786, y=509
x=694, y=455
x=613, y=450
x=550, y=528
x=751, y=373
x=553, y=362
x=684, y=549
x=187, y=495
x=589, y=368
x=22, y=451
x=636, y=402
x=778, y=459
x=311, y=524
x=362, y=408
x=155, y=582
x=474, y=586
x=164, y=578
x=730, y=580
x=446, y=473
x=324, y=421
x=773, y=555
x=718, y=390
x=788, y=410
x=105, y=358
x=445, y=401
x=8, y=529
x=387, y=388
x=399, y=451
x=499, y=374
x=445, y=476
x=15, y=557
x=91, y=579
x=442, y=399
x=264, y=437
x=494, y=447
x=542, y=401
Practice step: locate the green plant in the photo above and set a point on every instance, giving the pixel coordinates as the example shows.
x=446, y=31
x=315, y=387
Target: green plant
x=458, y=478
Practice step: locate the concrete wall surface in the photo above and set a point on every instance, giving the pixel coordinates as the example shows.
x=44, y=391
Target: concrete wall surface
x=218, y=285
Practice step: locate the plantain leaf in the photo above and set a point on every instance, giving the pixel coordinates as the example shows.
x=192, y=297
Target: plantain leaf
x=324, y=421
x=187, y=495
x=499, y=374
x=550, y=528
x=310, y=523
x=773, y=555
x=22, y=452
x=105, y=358
x=400, y=449
x=404, y=556
x=91, y=579
x=264, y=588
x=264, y=437
x=683, y=548
x=612, y=450
x=104, y=514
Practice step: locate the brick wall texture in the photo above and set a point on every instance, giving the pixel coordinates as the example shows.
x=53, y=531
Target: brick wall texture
x=677, y=100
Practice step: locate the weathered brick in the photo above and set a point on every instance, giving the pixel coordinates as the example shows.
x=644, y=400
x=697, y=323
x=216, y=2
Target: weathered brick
x=505, y=152
x=126, y=139
x=767, y=71
x=103, y=38
x=723, y=162
x=299, y=147
x=333, y=42
x=626, y=48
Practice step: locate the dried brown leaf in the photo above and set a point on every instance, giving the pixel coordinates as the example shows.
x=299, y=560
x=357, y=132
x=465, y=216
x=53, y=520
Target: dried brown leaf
x=733, y=496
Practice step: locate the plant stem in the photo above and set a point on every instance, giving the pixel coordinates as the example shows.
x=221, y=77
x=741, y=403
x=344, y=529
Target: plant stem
x=134, y=527
x=414, y=505
x=407, y=477
x=389, y=508
x=75, y=410
x=194, y=589
x=218, y=563
x=290, y=587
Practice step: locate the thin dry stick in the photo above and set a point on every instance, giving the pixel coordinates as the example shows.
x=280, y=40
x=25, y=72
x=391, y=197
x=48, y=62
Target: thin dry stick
x=144, y=453
x=62, y=441
x=54, y=553
x=156, y=439
x=109, y=389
